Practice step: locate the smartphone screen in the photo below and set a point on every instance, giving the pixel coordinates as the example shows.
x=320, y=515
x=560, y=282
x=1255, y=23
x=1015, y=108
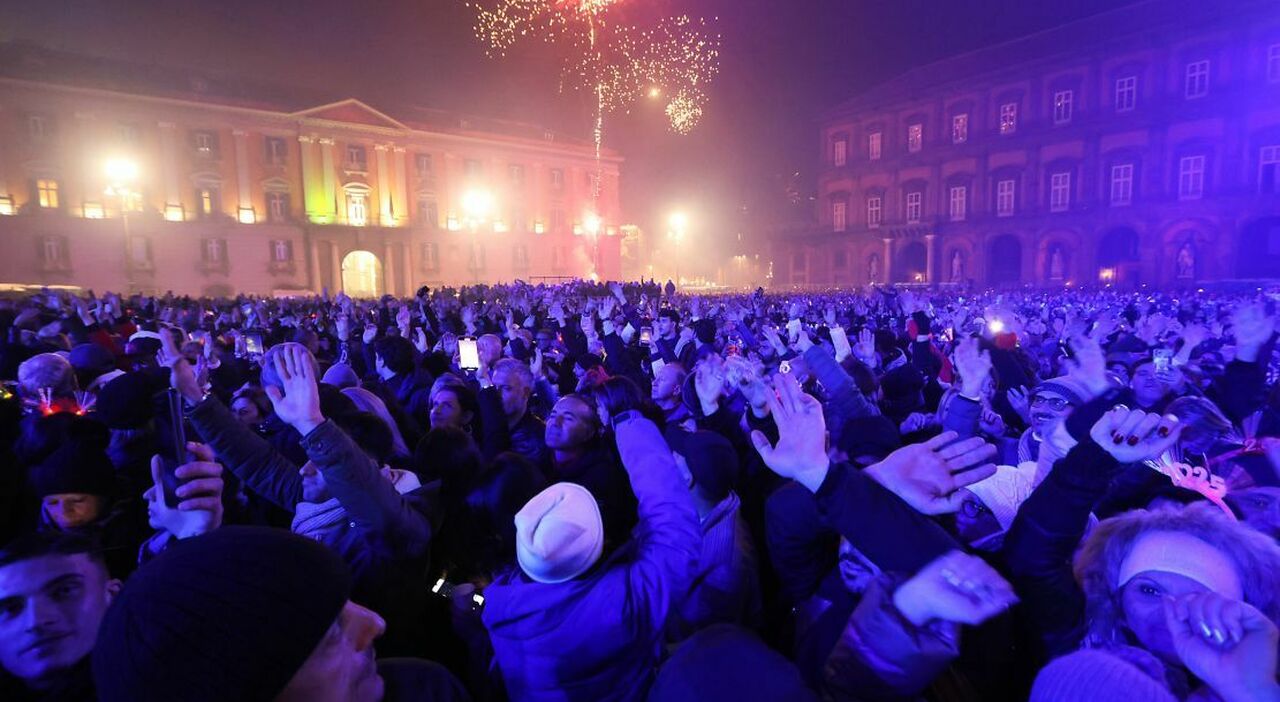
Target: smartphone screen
x=175, y=453
x=646, y=335
x=468, y=354
x=1162, y=359
x=253, y=343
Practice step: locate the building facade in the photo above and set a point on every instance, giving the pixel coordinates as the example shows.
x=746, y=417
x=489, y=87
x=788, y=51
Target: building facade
x=1138, y=146
x=154, y=180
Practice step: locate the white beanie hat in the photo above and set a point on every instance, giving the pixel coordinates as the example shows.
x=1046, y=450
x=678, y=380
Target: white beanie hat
x=559, y=533
x=1005, y=491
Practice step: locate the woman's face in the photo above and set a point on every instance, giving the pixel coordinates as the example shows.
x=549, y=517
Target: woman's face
x=1141, y=600
x=246, y=411
x=446, y=411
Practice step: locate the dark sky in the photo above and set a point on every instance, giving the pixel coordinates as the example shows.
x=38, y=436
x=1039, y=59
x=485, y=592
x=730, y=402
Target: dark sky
x=783, y=61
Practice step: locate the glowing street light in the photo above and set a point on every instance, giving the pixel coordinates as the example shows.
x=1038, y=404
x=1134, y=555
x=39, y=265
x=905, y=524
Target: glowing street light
x=121, y=170
x=477, y=205
x=592, y=223
x=677, y=226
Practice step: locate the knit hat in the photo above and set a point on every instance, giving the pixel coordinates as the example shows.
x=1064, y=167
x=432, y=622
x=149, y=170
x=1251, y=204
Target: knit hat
x=1073, y=390
x=1096, y=676
x=559, y=533
x=711, y=459
x=341, y=376
x=726, y=663
x=128, y=402
x=230, y=615
x=903, y=389
x=1005, y=491
x=77, y=467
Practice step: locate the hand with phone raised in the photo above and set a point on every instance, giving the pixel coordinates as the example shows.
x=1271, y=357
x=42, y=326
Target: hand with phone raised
x=198, y=508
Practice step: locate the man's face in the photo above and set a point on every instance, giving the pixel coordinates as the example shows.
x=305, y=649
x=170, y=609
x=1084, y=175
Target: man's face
x=570, y=425
x=50, y=609
x=1147, y=385
x=665, y=326
x=1047, y=406
x=72, y=509
x=380, y=367
x=515, y=394
x=545, y=340
x=314, y=489
x=342, y=667
x=666, y=384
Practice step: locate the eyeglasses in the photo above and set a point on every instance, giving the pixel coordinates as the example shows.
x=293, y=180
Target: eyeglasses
x=973, y=509
x=1056, y=403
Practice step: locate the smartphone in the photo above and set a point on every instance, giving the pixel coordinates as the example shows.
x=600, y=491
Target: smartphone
x=468, y=354
x=175, y=453
x=1163, y=360
x=253, y=344
x=646, y=335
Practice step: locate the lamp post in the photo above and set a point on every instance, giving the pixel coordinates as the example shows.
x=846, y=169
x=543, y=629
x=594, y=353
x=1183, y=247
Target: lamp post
x=477, y=207
x=677, y=225
x=122, y=173
x=592, y=224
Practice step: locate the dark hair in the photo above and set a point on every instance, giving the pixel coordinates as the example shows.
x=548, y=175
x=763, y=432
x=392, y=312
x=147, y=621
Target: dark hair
x=451, y=456
x=505, y=487
x=370, y=433
x=620, y=394
x=40, y=435
x=671, y=313
x=862, y=375
x=50, y=543
x=396, y=352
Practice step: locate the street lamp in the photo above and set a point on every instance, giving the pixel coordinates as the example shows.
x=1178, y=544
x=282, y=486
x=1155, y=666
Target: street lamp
x=122, y=173
x=477, y=206
x=677, y=226
x=592, y=224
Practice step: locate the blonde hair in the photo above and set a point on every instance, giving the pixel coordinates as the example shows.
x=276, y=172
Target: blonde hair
x=1097, y=565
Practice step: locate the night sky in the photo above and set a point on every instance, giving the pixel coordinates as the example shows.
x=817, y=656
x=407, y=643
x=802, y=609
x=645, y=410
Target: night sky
x=782, y=63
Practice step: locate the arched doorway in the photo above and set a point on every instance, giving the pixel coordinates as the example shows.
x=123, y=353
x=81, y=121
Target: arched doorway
x=1259, y=248
x=361, y=274
x=1118, y=256
x=1004, y=260
x=911, y=263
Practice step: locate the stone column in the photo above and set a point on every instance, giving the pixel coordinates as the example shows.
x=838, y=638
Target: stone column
x=242, y=174
x=389, y=268
x=888, y=260
x=335, y=266
x=316, y=284
x=399, y=186
x=929, y=255
x=385, y=216
x=328, y=180
x=169, y=167
x=407, y=265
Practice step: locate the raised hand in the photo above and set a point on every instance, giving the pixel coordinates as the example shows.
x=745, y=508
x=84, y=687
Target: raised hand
x=829, y=316
x=182, y=377
x=535, y=364
x=974, y=367
x=402, y=318
x=199, y=508
x=708, y=381
x=929, y=476
x=801, y=451
x=370, y=333
x=1133, y=435
x=1020, y=401
x=1252, y=328
x=865, y=349
x=1089, y=365
x=1228, y=644
x=298, y=401
x=991, y=423
x=420, y=340
x=955, y=587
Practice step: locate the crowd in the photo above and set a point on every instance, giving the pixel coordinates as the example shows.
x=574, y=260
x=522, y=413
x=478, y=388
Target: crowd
x=616, y=492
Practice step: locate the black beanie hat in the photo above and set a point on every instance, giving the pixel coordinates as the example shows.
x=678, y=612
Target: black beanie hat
x=77, y=467
x=128, y=401
x=711, y=460
x=230, y=615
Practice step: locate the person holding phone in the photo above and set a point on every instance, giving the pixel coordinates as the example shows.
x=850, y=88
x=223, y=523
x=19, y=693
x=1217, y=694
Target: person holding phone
x=395, y=362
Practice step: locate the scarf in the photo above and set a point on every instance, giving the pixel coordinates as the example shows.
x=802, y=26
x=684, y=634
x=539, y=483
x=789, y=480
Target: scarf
x=312, y=519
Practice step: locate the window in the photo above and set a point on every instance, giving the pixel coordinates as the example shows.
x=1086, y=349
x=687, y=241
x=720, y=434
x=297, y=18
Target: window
x=431, y=256
x=1121, y=184
x=428, y=212
x=1062, y=103
x=915, y=203
x=53, y=249
x=558, y=221
x=915, y=137
x=205, y=143
x=839, y=215
x=960, y=128
x=873, y=146
x=422, y=163
x=516, y=171
x=213, y=251
x=140, y=251
x=875, y=211
x=47, y=193
x=959, y=203
x=1126, y=93
x=282, y=251
x=278, y=207
x=1197, y=80
x=1190, y=177
x=357, y=209
x=840, y=260
x=1269, y=170
x=275, y=150
x=128, y=135
x=473, y=168
x=557, y=178
x=208, y=200
x=1005, y=190
x=520, y=256
x=839, y=152
x=1060, y=191
x=1008, y=117
x=39, y=127
x=357, y=158
x=1273, y=63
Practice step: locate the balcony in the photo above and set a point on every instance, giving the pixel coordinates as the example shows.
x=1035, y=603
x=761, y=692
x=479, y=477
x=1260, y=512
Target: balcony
x=206, y=267
x=282, y=268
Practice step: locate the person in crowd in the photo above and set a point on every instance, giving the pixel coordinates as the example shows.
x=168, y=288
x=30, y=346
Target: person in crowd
x=576, y=453
x=518, y=429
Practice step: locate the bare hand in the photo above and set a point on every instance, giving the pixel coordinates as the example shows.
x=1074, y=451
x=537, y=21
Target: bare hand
x=1133, y=435
x=955, y=587
x=298, y=403
x=929, y=476
x=801, y=452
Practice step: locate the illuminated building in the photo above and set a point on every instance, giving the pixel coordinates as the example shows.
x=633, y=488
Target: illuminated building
x=1140, y=145
x=240, y=188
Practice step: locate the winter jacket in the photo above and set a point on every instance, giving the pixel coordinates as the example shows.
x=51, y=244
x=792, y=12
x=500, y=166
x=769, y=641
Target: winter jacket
x=598, y=637
x=844, y=400
x=384, y=536
x=598, y=471
x=725, y=585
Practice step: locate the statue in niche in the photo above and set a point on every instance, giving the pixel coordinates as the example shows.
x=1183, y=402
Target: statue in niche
x=873, y=268
x=1185, y=264
x=1056, y=265
x=957, y=266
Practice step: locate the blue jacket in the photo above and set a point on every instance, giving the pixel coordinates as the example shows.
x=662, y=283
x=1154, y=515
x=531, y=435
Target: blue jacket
x=599, y=636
